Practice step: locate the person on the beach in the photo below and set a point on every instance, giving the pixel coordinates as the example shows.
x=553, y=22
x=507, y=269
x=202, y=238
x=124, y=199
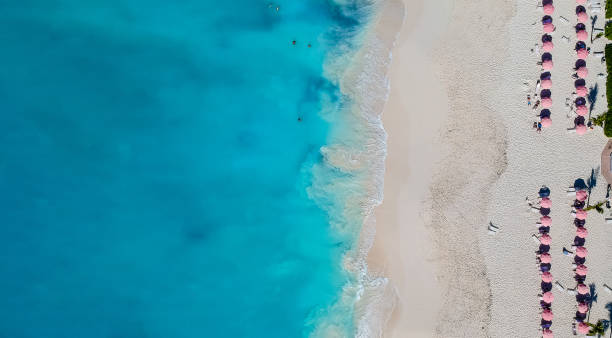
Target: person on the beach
x=536, y=105
x=528, y=100
x=539, y=130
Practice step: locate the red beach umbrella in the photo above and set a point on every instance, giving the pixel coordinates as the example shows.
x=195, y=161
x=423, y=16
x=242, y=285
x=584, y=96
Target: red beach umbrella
x=581, y=214
x=547, y=315
x=546, y=121
x=547, y=102
x=582, y=54
x=545, y=203
x=582, y=110
x=546, y=84
x=547, y=65
x=581, y=252
x=545, y=239
x=582, y=289
x=548, y=297
x=582, y=232
x=581, y=270
x=545, y=258
x=548, y=27
x=547, y=333
x=583, y=328
x=582, y=35
x=582, y=91
x=545, y=221
x=547, y=277
x=582, y=72
x=583, y=17
x=581, y=195
x=548, y=46
x=549, y=9
x=583, y=307
x=581, y=129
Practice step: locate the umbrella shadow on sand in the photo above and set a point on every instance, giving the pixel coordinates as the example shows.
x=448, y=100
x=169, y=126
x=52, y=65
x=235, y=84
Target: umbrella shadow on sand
x=592, y=97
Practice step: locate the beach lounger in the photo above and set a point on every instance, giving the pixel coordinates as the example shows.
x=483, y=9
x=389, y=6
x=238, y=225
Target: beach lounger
x=535, y=238
x=559, y=286
x=598, y=54
x=601, y=76
x=565, y=38
x=572, y=292
x=607, y=288
x=535, y=210
x=567, y=252
x=564, y=20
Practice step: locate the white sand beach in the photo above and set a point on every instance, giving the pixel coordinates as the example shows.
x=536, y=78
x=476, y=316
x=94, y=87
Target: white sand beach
x=461, y=152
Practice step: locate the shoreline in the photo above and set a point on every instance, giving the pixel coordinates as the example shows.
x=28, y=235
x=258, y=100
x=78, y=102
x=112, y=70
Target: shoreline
x=437, y=278
x=411, y=154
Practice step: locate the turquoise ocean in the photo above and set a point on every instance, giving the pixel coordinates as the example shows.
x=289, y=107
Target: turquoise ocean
x=164, y=170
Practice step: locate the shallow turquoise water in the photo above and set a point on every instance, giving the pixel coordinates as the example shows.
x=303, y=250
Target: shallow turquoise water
x=154, y=170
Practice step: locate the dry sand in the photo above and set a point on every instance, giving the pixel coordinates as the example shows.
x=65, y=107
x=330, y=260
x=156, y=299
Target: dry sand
x=462, y=152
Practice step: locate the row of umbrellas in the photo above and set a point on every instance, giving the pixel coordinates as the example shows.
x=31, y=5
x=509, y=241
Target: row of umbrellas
x=547, y=64
x=580, y=253
x=581, y=71
x=580, y=68
x=544, y=259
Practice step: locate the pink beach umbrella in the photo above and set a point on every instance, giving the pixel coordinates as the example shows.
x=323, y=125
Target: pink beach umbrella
x=545, y=239
x=547, y=315
x=582, y=232
x=547, y=65
x=548, y=46
x=581, y=129
x=548, y=297
x=581, y=270
x=581, y=91
x=581, y=195
x=583, y=328
x=546, y=84
x=547, y=102
x=545, y=258
x=582, y=54
x=582, y=72
x=546, y=121
x=547, y=333
x=582, y=35
x=582, y=289
x=581, y=2
x=545, y=221
x=546, y=203
x=582, y=110
x=583, y=17
x=549, y=9
x=583, y=307
x=547, y=277
x=548, y=27
x=581, y=214
x=581, y=252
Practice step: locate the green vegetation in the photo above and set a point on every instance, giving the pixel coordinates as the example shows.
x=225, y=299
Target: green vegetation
x=608, y=55
x=597, y=329
x=598, y=207
x=607, y=31
x=608, y=9
x=608, y=124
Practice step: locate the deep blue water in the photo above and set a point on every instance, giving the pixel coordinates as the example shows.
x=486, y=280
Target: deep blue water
x=153, y=170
